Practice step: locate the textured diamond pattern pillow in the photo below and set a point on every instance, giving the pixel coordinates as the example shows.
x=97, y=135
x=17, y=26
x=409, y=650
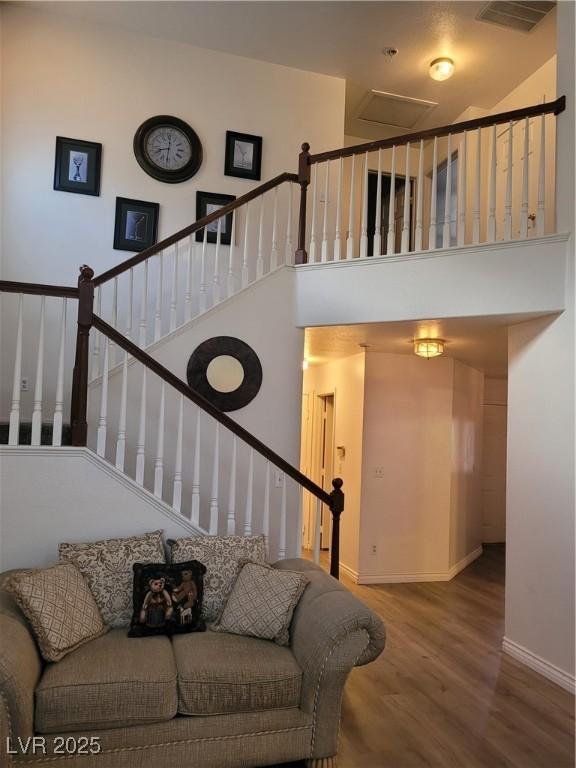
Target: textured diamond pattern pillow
x=262, y=602
x=59, y=607
x=107, y=567
x=223, y=557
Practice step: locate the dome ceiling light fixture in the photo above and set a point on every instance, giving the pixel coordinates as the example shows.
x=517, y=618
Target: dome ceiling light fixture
x=441, y=69
x=429, y=347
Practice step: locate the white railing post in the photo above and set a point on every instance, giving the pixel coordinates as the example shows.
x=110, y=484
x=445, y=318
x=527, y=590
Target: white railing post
x=159, y=461
x=213, y=530
x=231, y=519
x=121, y=439
x=274, y=247
x=337, y=233
x=216, y=278
x=491, y=226
x=141, y=441
x=129, y=319
x=419, y=199
x=364, y=214
x=174, y=291
x=249, y=496
x=144, y=308
x=195, y=513
x=350, y=237
x=282, y=532
x=59, y=404
x=324, y=246
x=245, y=273
x=432, y=230
x=525, y=182
x=260, y=252
x=266, y=510
x=159, y=298
x=391, y=237
x=405, y=245
x=38, y=388
x=312, y=249
x=14, y=428
x=477, y=189
x=448, y=198
x=541, y=209
x=177, y=485
x=289, y=248
x=96, y=350
x=377, y=242
x=462, y=181
x=103, y=419
x=188, y=278
x=317, y=524
x=508, y=200
x=230, y=285
x=202, y=291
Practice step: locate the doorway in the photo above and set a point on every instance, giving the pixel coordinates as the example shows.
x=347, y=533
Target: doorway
x=398, y=211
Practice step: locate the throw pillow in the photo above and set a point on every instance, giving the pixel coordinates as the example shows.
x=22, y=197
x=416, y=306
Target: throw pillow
x=107, y=567
x=60, y=608
x=262, y=603
x=167, y=599
x=223, y=557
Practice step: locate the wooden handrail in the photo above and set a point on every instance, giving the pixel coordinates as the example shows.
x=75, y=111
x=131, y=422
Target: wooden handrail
x=469, y=125
x=207, y=406
x=38, y=289
x=197, y=225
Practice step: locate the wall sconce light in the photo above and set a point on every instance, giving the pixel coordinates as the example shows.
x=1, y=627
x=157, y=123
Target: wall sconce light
x=305, y=364
x=441, y=69
x=428, y=347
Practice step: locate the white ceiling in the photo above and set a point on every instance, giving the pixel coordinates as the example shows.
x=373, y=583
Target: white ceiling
x=481, y=343
x=345, y=39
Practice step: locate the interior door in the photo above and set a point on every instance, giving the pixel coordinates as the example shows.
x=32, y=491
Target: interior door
x=306, y=468
x=494, y=474
x=385, y=210
x=326, y=464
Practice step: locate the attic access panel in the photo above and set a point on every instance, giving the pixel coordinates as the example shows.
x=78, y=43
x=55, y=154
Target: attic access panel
x=393, y=109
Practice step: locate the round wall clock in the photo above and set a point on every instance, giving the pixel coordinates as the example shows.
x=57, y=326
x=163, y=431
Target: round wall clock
x=168, y=149
x=226, y=371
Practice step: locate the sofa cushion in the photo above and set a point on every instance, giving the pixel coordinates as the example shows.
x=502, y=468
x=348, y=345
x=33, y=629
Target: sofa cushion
x=220, y=673
x=111, y=682
x=107, y=567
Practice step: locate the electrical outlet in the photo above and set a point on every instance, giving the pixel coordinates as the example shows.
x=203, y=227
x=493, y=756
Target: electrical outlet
x=373, y=549
x=378, y=472
x=278, y=479
x=24, y=384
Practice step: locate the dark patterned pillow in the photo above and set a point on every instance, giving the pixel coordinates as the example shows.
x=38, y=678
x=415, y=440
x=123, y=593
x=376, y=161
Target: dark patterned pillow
x=167, y=599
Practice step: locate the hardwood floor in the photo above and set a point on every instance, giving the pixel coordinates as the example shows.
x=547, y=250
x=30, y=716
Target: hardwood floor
x=442, y=695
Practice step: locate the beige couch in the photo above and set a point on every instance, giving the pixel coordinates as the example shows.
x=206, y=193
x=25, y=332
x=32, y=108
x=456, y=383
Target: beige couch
x=199, y=700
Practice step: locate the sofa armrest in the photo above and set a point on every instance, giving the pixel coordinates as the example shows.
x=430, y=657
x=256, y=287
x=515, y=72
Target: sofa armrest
x=20, y=670
x=332, y=632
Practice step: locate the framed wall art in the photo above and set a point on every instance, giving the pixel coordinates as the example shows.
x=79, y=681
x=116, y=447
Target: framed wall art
x=77, y=166
x=243, y=155
x=206, y=203
x=136, y=224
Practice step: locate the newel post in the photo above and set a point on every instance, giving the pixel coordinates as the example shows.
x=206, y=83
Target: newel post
x=303, y=180
x=79, y=402
x=336, y=507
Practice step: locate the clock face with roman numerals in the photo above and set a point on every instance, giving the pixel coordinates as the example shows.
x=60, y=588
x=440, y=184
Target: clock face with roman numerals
x=168, y=149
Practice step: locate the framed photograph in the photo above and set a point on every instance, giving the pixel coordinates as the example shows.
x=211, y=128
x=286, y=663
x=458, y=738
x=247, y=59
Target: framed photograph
x=77, y=166
x=206, y=203
x=136, y=225
x=243, y=155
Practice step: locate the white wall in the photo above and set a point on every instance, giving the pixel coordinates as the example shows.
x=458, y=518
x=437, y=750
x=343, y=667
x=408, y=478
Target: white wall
x=345, y=378
x=75, y=497
x=540, y=491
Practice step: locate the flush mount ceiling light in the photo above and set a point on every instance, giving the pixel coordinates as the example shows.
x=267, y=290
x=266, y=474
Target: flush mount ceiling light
x=428, y=347
x=441, y=69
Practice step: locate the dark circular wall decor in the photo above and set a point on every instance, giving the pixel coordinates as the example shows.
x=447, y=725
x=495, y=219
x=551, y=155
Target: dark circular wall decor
x=226, y=371
x=168, y=149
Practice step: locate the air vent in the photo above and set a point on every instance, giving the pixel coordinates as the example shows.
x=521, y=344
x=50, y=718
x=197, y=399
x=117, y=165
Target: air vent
x=391, y=109
x=520, y=16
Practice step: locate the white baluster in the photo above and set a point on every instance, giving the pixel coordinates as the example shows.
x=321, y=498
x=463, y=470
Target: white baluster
x=174, y=291
x=491, y=227
x=298, y=544
x=59, y=405
x=121, y=438
x=448, y=198
x=188, y=294
x=14, y=428
x=103, y=419
x=213, y=530
x=97, y=335
x=159, y=298
x=231, y=288
x=266, y=511
x=462, y=202
x=350, y=238
x=317, y=525
x=525, y=182
x=245, y=274
x=419, y=199
x=405, y=243
x=364, y=214
x=312, y=249
x=274, y=248
x=377, y=242
x=433, y=197
x=391, y=240
x=337, y=234
x=477, y=188
x=260, y=256
x=231, y=519
x=141, y=442
x=111, y=344
x=541, y=209
x=216, y=278
x=144, y=308
x=289, y=248
x=249, y=496
x=130, y=303
x=202, y=291
x=508, y=199
x=282, y=538
x=159, y=461
x=324, y=246
x=38, y=396
x=177, y=485
x=195, y=516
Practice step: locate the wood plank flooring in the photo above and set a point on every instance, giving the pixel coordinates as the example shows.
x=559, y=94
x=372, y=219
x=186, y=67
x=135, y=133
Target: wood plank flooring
x=442, y=695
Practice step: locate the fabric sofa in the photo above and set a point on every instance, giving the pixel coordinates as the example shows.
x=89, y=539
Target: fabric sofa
x=202, y=699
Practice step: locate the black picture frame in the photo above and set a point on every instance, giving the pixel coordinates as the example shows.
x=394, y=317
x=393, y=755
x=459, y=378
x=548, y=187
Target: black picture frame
x=131, y=231
x=207, y=202
x=77, y=166
x=246, y=164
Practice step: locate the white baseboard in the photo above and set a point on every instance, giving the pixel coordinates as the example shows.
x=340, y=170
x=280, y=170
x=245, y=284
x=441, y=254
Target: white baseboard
x=538, y=664
x=407, y=577
x=349, y=572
